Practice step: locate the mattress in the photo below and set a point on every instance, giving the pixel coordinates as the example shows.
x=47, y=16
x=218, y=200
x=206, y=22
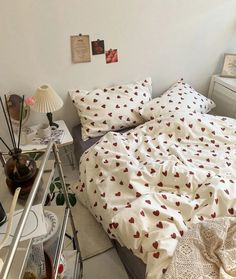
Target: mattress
x=81, y=146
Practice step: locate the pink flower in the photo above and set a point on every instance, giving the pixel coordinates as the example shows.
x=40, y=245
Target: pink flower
x=30, y=101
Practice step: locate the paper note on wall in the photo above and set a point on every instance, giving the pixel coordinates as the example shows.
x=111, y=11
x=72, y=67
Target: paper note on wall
x=80, y=49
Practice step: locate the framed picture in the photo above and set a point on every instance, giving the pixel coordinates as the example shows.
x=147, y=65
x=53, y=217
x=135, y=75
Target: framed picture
x=98, y=47
x=229, y=65
x=111, y=56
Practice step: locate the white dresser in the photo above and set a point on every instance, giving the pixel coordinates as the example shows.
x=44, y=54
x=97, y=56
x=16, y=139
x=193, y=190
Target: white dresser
x=223, y=92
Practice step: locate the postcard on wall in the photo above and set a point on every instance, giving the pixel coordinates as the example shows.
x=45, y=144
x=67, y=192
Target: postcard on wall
x=98, y=47
x=111, y=56
x=80, y=49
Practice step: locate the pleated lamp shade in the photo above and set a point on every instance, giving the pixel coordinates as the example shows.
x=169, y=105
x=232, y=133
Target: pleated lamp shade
x=46, y=100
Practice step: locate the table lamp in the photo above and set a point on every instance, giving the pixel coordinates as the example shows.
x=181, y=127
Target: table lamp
x=47, y=101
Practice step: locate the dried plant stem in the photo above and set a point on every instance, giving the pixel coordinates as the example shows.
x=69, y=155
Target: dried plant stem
x=8, y=125
x=11, y=128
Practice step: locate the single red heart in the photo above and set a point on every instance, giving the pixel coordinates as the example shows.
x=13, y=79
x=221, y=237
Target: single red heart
x=188, y=185
x=156, y=255
x=131, y=220
x=196, y=207
x=156, y=212
x=159, y=225
x=131, y=186
x=164, y=173
x=173, y=235
x=226, y=191
x=213, y=215
x=115, y=225
x=142, y=213
x=155, y=244
x=138, y=195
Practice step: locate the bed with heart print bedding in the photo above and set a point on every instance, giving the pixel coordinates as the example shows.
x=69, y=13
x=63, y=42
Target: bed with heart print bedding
x=147, y=187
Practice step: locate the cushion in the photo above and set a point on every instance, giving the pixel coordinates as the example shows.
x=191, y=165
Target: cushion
x=181, y=96
x=111, y=109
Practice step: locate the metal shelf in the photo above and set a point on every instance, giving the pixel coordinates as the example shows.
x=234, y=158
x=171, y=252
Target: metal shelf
x=16, y=254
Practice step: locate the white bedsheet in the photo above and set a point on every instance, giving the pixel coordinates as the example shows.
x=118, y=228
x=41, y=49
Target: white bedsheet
x=149, y=185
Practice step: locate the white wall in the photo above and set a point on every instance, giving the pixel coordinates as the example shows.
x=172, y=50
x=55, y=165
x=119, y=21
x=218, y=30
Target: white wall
x=164, y=39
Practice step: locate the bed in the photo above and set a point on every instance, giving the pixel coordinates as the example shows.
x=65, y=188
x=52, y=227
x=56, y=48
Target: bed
x=150, y=185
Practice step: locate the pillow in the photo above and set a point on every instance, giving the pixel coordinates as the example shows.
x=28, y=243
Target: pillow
x=180, y=96
x=111, y=109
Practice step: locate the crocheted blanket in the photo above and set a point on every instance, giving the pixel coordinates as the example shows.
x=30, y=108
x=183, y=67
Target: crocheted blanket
x=206, y=251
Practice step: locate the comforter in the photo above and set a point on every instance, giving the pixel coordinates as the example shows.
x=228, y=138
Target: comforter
x=148, y=186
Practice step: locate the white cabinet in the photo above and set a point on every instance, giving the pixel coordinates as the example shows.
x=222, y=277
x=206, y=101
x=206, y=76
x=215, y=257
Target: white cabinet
x=223, y=92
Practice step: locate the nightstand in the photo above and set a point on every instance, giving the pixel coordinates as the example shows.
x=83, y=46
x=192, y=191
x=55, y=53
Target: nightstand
x=223, y=92
x=66, y=142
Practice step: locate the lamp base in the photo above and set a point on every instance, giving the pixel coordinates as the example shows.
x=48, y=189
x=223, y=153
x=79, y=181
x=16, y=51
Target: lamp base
x=51, y=123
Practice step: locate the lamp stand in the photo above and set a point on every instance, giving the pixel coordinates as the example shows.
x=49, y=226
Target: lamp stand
x=51, y=123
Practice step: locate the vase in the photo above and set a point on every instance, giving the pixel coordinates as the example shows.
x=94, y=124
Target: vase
x=20, y=170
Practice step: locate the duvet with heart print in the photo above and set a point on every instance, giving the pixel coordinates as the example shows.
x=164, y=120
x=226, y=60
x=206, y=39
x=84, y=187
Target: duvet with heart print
x=148, y=186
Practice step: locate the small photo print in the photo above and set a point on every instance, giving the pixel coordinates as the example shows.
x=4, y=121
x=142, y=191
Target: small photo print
x=98, y=47
x=111, y=56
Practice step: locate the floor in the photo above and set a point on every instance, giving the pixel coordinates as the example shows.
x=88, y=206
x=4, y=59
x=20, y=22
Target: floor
x=103, y=266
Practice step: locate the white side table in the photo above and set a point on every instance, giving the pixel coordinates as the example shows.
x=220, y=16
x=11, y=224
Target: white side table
x=223, y=92
x=66, y=142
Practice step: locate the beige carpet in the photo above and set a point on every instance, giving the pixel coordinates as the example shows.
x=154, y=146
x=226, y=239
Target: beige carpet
x=92, y=238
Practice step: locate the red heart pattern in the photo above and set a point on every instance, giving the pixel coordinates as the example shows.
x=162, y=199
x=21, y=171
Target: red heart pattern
x=103, y=110
x=148, y=186
x=179, y=96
